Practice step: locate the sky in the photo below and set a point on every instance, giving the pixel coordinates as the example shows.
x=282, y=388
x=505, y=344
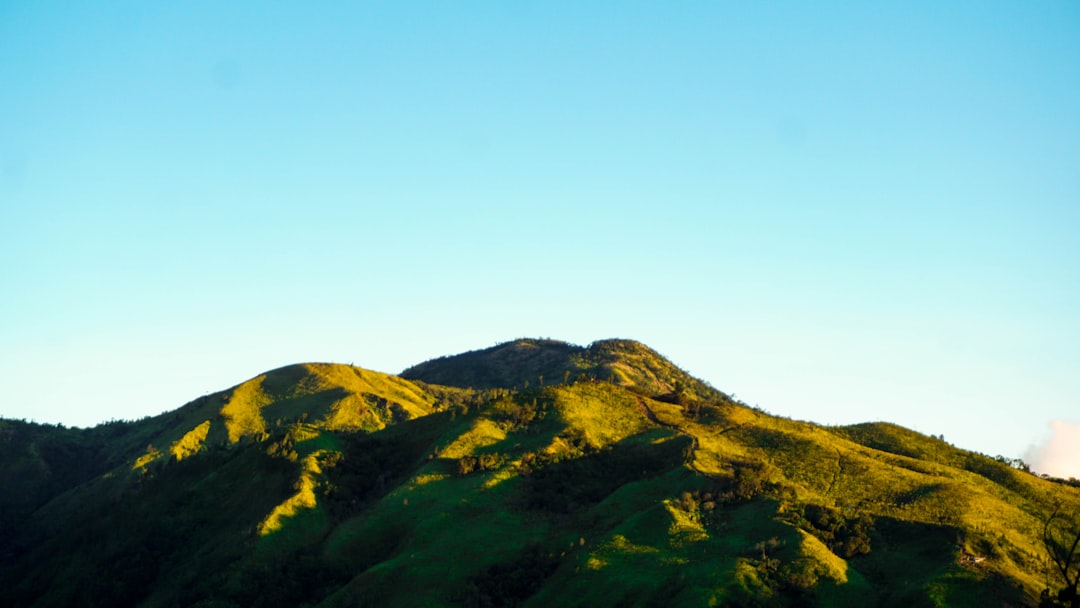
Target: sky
x=839, y=212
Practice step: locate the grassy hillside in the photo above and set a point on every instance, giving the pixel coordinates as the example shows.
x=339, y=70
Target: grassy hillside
x=527, y=362
x=627, y=484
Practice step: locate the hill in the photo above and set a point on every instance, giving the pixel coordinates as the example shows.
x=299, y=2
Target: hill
x=517, y=364
x=533, y=473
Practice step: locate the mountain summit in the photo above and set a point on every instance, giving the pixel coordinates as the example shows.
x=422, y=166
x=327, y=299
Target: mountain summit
x=522, y=362
x=531, y=473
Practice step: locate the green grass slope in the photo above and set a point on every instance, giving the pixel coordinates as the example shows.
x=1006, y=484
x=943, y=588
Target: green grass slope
x=627, y=484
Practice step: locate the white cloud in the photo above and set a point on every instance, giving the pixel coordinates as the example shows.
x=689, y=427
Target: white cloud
x=1059, y=455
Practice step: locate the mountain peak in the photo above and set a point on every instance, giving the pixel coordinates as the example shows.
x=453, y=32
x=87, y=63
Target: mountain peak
x=536, y=361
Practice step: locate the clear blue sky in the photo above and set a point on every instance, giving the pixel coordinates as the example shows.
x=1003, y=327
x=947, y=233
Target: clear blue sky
x=839, y=212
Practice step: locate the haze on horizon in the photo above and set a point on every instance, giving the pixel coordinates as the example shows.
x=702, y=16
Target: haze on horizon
x=840, y=213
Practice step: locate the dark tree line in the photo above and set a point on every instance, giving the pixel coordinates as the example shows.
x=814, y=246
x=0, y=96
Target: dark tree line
x=1061, y=537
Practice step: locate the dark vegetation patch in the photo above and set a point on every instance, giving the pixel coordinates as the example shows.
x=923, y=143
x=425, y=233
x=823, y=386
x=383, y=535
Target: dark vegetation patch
x=576, y=445
x=202, y=506
x=746, y=480
x=269, y=581
x=507, y=365
x=846, y=535
x=518, y=411
x=372, y=464
x=512, y=582
x=905, y=558
x=570, y=485
x=479, y=463
x=39, y=463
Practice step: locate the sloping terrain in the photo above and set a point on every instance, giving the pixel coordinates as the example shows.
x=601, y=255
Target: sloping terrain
x=521, y=363
x=535, y=473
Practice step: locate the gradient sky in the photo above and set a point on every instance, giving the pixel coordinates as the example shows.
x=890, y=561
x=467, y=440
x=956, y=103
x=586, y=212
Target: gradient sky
x=839, y=212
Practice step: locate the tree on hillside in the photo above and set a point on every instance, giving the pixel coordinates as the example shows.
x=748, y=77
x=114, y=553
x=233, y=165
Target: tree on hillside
x=1061, y=537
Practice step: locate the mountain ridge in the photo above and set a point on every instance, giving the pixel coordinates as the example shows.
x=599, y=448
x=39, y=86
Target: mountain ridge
x=516, y=363
x=554, y=473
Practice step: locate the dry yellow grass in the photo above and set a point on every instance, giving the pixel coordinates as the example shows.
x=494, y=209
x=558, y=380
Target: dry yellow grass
x=334, y=396
x=605, y=414
x=191, y=442
x=242, y=414
x=304, y=498
x=482, y=433
x=144, y=460
x=815, y=561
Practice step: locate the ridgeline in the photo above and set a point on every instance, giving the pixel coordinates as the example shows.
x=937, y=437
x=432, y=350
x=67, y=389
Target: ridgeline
x=532, y=473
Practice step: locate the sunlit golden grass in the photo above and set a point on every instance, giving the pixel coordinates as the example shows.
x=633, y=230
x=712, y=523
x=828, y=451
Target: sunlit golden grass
x=815, y=561
x=242, y=414
x=604, y=413
x=304, y=498
x=356, y=380
x=482, y=433
x=685, y=526
x=333, y=396
x=353, y=412
x=152, y=454
x=191, y=443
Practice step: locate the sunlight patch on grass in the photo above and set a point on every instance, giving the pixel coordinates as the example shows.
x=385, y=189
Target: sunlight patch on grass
x=747, y=579
x=191, y=443
x=605, y=414
x=149, y=456
x=426, y=478
x=412, y=399
x=498, y=477
x=714, y=451
x=303, y=499
x=299, y=432
x=352, y=413
x=483, y=433
x=621, y=544
x=242, y=413
x=816, y=560
x=684, y=528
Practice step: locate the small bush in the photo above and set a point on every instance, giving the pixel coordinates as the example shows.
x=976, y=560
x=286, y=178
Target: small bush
x=479, y=463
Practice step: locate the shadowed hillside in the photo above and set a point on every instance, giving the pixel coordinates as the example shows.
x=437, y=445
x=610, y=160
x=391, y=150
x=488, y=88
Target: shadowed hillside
x=533, y=473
